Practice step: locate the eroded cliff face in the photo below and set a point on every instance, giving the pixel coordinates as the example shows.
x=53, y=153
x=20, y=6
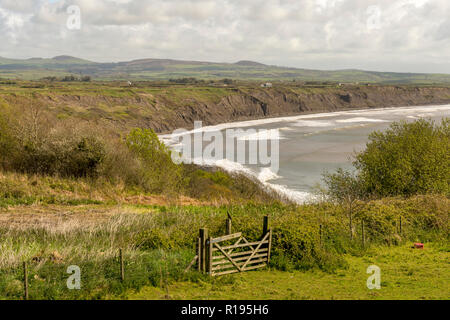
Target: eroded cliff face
x=277, y=102
x=166, y=109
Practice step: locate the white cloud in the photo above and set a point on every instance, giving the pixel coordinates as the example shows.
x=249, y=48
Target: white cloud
x=408, y=35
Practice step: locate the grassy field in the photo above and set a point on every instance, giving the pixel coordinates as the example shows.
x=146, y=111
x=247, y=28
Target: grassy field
x=406, y=273
x=162, y=69
x=157, y=242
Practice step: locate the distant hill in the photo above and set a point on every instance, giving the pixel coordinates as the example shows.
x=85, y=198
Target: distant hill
x=164, y=69
x=250, y=63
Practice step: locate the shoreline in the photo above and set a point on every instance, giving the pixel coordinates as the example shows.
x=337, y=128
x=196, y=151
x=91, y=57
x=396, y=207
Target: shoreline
x=290, y=194
x=234, y=123
x=287, y=118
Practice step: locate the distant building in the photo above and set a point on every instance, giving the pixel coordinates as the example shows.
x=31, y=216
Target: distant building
x=266, y=85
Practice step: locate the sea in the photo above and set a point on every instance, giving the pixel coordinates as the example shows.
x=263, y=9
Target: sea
x=308, y=145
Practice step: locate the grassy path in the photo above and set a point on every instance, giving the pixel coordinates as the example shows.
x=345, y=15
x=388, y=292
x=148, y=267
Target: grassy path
x=405, y=274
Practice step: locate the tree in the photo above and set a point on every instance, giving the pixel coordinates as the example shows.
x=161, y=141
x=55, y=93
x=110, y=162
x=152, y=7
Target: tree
x=407, y=159
x=345, y=188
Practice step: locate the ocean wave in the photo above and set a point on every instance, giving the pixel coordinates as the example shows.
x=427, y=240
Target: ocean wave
x=360, y=119
x=265, y=175
x=272, y=134
x=313, y=123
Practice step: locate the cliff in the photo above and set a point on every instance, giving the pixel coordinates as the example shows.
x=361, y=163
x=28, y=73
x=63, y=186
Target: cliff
x=167, y=108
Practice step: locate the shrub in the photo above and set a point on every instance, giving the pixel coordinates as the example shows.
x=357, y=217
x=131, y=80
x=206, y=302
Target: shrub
x=158, y=171
x=64, y=156
x=407, y=159
x=7, y=142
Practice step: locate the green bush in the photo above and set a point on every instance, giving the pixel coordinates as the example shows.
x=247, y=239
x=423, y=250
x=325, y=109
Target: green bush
x=63, y=156
x=407, y=159
x=158, y=171
x=7, y=140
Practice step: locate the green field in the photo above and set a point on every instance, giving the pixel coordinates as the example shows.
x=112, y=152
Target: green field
x=406, y=273
x=165, y=69
x=158, y=243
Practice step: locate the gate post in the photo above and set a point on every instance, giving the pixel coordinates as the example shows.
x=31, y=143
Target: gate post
x=209, y=250
x=265, y=225
x=199, y=250
x=228, y=226
x=202, y=257
x=363, y=236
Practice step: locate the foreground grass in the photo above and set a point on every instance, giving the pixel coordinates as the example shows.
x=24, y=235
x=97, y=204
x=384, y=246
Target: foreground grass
x=158, y=243
x=405, y=274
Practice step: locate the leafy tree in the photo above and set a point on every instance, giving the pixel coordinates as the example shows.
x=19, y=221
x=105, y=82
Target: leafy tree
x=345, y=188
x=407, y=159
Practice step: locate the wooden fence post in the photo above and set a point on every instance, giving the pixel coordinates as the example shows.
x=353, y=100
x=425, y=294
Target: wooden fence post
x=209, y=256
x=362, y=234
x=400, y=225
x=270, y=245
x=203, y=238
x=199, y=248
x=265, y=225
x=228, y=226
x=320, y=235
x=122, y=268
x=25, y=280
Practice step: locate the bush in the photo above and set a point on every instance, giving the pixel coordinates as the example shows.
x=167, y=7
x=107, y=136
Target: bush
x=158, y=171
x=407, y=159
x=7, y=141
x=68, y=156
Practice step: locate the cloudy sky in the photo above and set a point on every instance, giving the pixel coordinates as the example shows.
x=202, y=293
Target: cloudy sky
x=383, y=35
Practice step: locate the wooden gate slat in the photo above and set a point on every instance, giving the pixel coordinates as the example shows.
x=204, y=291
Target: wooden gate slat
x=225, y=272
x=241, y=245
x=236, y=271
x=238, y=254
x=259, y=246
x=226, y=266
x=228, y=257
x=251, y=247
x=227, y=237
x=215, y=263
x=236, y=243
x=255, y=267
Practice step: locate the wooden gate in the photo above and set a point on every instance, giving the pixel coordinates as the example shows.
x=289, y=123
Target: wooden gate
x=232, y=253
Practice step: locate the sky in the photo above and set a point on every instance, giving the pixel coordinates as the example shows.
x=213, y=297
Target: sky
x=381, y=35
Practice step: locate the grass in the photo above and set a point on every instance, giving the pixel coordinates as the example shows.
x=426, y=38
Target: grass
x=158, y=240
x=405, y=274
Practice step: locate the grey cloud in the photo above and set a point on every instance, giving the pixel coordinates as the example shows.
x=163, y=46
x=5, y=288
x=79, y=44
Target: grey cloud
x=410, y=35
